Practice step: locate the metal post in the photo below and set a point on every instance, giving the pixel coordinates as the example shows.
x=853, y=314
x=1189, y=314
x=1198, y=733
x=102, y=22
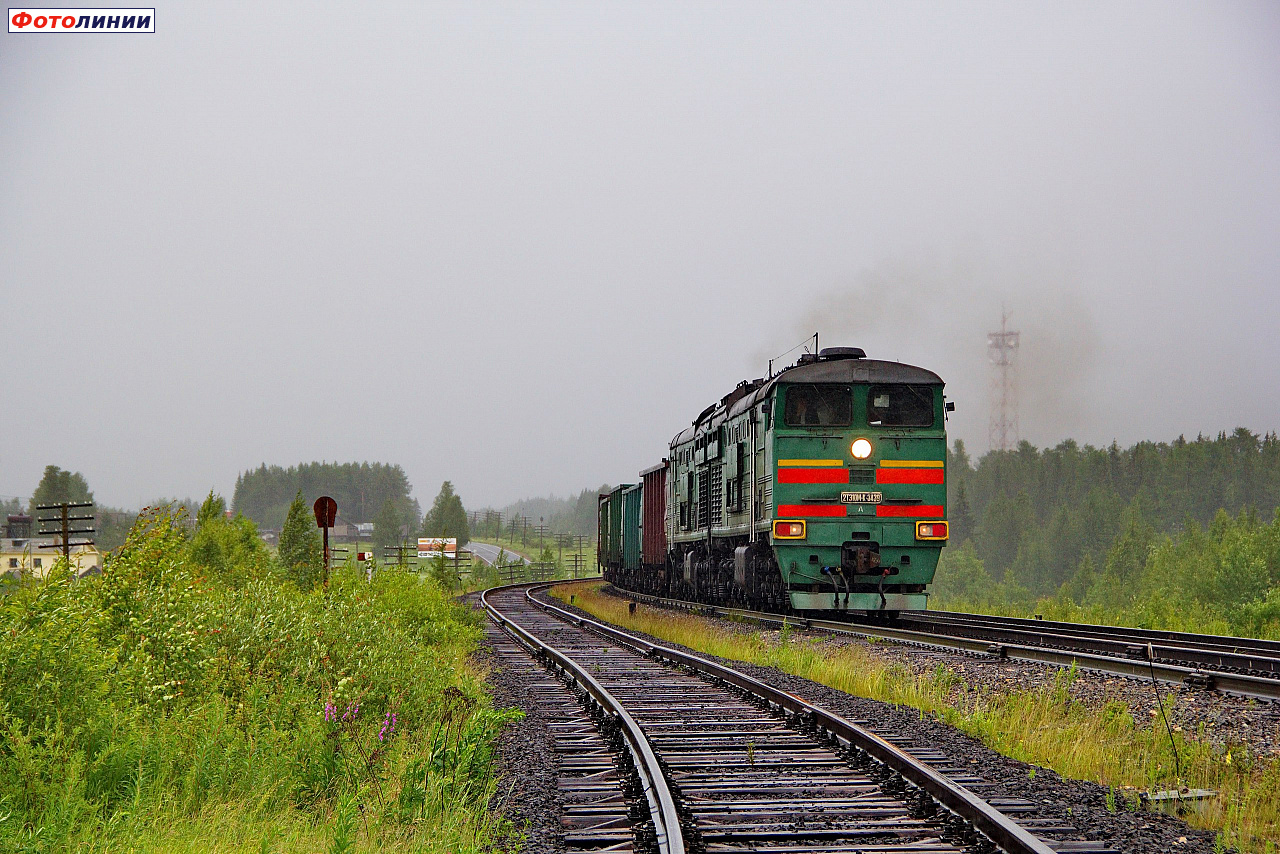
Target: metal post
x=326, y=513
x=326, y=556
x=66, y=534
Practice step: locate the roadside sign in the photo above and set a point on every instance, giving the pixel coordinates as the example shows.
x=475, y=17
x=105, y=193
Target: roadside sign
x=436, y=546
x=326, y=510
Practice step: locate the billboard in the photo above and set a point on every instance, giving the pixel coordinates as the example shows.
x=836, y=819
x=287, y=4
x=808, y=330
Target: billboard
x=436, y=546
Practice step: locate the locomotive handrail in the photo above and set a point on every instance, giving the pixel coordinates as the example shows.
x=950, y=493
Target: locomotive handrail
x=999, y=828
x=657, y=791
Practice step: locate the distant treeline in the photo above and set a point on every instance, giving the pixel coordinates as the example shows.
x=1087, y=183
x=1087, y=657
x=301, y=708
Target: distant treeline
x=361, y=489
x=572, y=515
x=1038, y=513
x=1122, y=532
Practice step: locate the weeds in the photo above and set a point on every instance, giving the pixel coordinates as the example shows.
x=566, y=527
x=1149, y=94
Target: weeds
x=162, y=707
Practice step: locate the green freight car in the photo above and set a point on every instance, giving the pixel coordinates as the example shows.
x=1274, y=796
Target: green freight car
x=609, y=547
x=820, y=489
x=631, y=527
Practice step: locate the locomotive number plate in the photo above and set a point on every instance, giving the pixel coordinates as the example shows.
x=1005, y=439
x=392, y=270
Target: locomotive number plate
x=861, y=497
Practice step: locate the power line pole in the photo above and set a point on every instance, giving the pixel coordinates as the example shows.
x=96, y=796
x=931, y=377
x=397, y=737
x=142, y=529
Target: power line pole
x=1002, y=351
x=61, y=520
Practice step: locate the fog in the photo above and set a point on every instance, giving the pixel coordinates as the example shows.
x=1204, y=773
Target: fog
x=521, y=246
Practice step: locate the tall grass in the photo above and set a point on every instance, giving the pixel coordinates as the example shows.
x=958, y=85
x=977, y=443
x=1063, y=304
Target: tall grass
x=160, y=709
x=1045, y=727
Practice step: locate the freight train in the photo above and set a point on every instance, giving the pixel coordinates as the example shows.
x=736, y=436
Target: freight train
x=820, y=489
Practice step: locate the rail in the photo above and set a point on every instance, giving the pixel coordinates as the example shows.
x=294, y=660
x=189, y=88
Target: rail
x=657, y=791
x=999, y=828
x=1123, y=659
x=1219, y=651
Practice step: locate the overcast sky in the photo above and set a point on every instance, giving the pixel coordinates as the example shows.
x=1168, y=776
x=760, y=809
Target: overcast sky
x=521, y=246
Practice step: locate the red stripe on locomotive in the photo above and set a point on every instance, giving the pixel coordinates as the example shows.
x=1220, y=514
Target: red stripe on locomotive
x=922, y=510
x=811, y=510
x=908, y=475
x=828, y=475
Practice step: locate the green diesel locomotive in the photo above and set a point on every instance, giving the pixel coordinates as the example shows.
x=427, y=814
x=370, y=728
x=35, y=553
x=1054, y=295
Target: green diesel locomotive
x=820, y=489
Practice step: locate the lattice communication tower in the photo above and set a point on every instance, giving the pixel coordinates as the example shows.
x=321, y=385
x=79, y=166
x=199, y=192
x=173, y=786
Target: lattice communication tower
x=1002, y=350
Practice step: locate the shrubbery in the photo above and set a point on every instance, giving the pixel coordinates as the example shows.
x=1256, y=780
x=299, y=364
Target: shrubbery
x=1034, y=516
x=1221, y=579
x=192, y=679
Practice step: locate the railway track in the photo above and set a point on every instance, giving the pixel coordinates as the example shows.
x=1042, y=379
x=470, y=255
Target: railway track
x=704, y=758
x=1245, y=656
x=1242, y=666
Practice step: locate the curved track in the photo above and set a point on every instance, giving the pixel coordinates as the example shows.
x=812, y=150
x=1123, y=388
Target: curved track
x=725, y=763
x=1243, y=666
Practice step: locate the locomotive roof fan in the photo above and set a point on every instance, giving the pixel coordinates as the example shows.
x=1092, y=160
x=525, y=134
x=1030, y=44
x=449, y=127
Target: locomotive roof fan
x=833, y=354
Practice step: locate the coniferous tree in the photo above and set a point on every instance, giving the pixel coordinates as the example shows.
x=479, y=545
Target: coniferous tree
x=300, y=548
x=961, y=515
x=57, y=486
x=447, y=517
x=387, y=526
x=214, y=507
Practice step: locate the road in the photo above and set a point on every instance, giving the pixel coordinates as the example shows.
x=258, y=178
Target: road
x=489, y=554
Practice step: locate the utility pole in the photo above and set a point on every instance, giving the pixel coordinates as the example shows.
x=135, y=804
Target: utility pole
x=59, y=524
x=1002, y=351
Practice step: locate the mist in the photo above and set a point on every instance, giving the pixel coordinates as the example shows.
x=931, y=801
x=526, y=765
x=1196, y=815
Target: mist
x=939, y=316
x=520, y=247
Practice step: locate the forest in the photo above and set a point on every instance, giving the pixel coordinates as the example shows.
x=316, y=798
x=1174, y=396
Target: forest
x=361, y=489
x=1181, y=534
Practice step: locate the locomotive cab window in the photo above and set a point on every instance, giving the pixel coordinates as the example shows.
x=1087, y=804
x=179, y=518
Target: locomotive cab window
x=900, y=406
x=811, y=405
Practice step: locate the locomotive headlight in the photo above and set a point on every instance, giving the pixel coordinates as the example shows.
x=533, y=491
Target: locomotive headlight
x=861, y=449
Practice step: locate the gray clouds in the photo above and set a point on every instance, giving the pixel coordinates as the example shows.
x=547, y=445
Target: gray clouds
x=579, y=224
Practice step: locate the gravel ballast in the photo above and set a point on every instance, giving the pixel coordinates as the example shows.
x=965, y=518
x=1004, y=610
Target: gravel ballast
x=1077, y=803
x=1223, y=720
x=527, y=764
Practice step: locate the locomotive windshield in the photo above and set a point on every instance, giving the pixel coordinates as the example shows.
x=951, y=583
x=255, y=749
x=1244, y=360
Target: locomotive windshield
x=812, y=405
x=900, y=406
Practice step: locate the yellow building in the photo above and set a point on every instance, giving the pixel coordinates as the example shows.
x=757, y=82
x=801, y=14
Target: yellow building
x=25, y=557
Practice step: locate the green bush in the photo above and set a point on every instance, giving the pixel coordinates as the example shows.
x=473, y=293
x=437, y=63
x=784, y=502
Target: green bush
x=193, y=680
x=1223, y=579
